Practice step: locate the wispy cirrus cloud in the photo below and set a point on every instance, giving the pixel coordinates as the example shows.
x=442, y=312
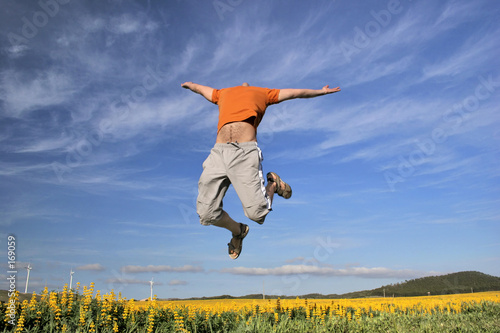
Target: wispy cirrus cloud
x=455, y=13
x=97, y=93
x=22, y=92
x=473, y=54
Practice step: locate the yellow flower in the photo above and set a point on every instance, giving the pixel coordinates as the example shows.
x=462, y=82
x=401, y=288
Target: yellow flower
x=115, y=326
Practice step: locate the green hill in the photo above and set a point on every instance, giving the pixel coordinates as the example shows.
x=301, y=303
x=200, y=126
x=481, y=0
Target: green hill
x=455, y=283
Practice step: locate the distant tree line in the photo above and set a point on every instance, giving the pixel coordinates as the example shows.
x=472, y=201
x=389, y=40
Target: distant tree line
x=455, y=283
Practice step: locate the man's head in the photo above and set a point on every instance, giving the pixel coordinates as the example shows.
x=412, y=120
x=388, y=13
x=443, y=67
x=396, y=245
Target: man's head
x=245, y=84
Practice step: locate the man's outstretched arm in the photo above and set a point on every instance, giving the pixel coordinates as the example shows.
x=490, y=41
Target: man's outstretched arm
x=286, y=94
x=199, y=89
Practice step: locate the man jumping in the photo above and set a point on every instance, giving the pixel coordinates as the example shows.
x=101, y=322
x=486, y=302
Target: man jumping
x=236, y=158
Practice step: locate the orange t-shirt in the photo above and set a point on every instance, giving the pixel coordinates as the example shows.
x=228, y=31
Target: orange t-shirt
x=240, y=103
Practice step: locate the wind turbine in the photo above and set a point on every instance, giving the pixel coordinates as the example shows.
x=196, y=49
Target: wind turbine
x=151, y=284
x=29, y=268
x=71, y=278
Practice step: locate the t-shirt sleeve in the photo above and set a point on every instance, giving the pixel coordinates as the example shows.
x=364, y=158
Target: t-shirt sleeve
x=215, y=96
x=273, y=96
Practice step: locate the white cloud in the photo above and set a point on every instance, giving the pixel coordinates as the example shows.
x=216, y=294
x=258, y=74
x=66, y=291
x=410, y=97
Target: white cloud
x=150, y=116
x=129, y=23
x=365, y=272
x=249, y=38
x=40, y=89
x=126, y=281
x=378, y=70
x=474, y=53
x=457, y=12
x=91, y=267
x=161, y=268
x=177, y=283
x=16, y=51
x=21, y=169
x=46, y=145
x=296, y=259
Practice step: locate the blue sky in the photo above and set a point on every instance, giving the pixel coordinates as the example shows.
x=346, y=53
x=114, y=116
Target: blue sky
x=396, y=177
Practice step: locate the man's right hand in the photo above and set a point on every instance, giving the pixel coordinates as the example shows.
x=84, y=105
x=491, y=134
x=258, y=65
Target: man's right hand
x=327, y=90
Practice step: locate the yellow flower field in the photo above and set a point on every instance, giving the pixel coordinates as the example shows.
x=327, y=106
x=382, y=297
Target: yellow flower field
x=407, y=305
x=90, y=311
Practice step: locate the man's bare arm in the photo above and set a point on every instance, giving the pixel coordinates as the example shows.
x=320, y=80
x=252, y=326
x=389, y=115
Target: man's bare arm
x=286, y=94
x=199, y=89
